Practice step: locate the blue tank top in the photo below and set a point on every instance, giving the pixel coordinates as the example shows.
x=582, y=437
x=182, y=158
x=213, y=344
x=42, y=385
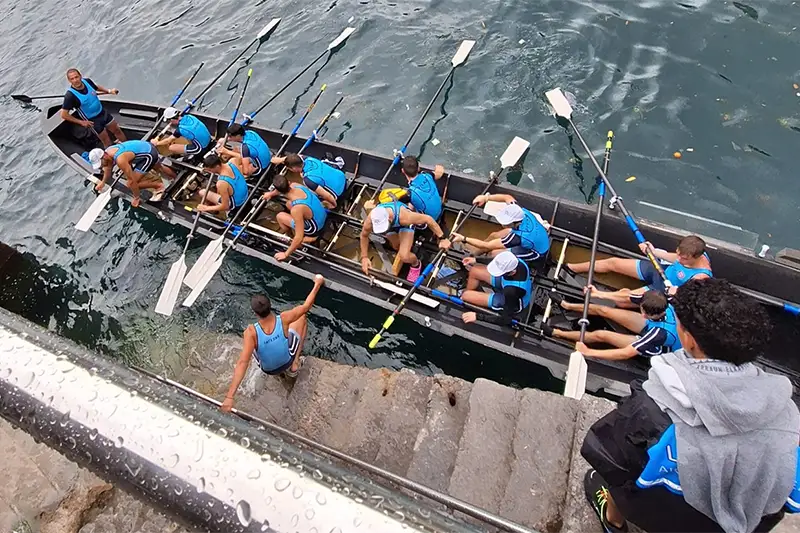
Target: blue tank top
x=239, y=186
x=532, y=233
x=526, y=284
x=324, y=175
x=272, y=351
x=395, y=207
x=91, y=106
x=678, y=274
x=137, y=147
x=425, y=196
x=192, y=128
x=259, y=150
x=318, y=212
x=669, y=324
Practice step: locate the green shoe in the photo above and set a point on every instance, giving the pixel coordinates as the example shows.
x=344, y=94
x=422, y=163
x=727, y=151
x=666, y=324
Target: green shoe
x=597, y=494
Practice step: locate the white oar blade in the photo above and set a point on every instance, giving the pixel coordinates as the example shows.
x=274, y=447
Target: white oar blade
x=576, y=376
x=209, y=255
x=203, y=282
x=169, y=294
x=268, y=29
x=94, y=211
x=559, y=103
x=514, y=152
x=462, y=52
x=347, y=32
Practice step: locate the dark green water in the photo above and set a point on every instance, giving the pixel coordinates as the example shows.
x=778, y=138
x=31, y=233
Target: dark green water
x=716, y=77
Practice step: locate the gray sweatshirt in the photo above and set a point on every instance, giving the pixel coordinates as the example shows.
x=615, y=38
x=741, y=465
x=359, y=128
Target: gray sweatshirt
x=737, y=432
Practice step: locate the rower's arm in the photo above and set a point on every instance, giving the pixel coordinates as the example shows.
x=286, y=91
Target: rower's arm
x=366, y=229
x=124, y=164
x=102, y=90
x=438, y=172
x=292, y=315
x=240, y=370
x=247, y=167
x=614, y=354
x=299, y=233
x=328, y=200
x=107, y=169
x=276, y=160
x=494, y=244
x=166, y=141
x=507, y=198
x=408, y=217
x=224, y=205
x=69, y=117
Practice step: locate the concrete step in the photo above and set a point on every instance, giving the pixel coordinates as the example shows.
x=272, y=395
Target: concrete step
x=313, y=396
x=541, y=448
x=344, y=406
x=408, y=396
x=436, y=445
x=269, y=397
x=484, y=459
x=366, y=423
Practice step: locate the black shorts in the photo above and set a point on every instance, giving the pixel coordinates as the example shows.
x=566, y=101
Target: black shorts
x=194, y=147
x=101, y=121
x=144, y=163
x=313, y=186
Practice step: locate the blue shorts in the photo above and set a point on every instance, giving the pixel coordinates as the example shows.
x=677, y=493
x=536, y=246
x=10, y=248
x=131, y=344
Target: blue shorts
x=193, y=148
x=310, y=228
x=294, y=344
x=313, y=186
x=497, y=299
x=513, y=243
x=648, y=273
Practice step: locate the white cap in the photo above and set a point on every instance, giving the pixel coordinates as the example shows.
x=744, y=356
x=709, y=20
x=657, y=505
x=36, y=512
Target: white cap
x=380, y=219
x=504, y=263
x=509, y=214
x=170, y=113
x=96, y=158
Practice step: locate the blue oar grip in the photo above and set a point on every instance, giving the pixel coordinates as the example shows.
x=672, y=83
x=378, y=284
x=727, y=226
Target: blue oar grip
x=310, y=140
x=792, y=309
x=299, y=123
x=445, y=296
x=634, y=228
x=601, y=190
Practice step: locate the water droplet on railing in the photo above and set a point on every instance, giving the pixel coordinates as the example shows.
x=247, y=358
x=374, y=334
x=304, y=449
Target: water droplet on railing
x=317, y=474
x=254, y=474
x=120, y=442
x=297, y=492
x=282, y=484
x=201, y=485
x=93, y=434
x=178, y=490
x=199, y=451
x=265, y=457
x=321, y=499
x=223, y=432
x=309, y=514
x=245, y=442
x=243, y=513
x=295, y=520
x=71, y=443
x=357, y=521
x=173, y=460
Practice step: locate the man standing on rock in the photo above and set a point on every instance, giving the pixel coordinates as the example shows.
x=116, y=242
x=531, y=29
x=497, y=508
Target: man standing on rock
x=274, y=341
x=709, y=442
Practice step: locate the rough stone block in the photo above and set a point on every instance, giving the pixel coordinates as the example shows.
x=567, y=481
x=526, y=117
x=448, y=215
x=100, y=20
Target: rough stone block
x=437, y=442
x=366, y=425
x=483, y=463
x=542, y=445
x=344, y=407
x=313, y=396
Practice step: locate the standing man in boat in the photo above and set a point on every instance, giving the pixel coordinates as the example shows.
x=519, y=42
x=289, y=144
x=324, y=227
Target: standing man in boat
x=326, y=181
x=231, y=186
x=82, y=96
x=306, y=216
x=508, y=276
x=524, y=232
x=135, y=159
x=655, y=326
x=275, y=341
x=422, y=188
x=188, y=128
x=396, y=222
x=254, y=151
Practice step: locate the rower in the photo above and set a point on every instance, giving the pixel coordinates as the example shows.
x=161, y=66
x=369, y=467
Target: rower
x=306, y=216
x=655, y=325
x=690, y=261
x=396, y=222
x=231, y=186
x=254, y=151
x=511, y=279
x=422, y=187
x=188, y=128
x=135, y=159
x=326, y=181
x=524, y=232
x=275, y=341
x=82, y=95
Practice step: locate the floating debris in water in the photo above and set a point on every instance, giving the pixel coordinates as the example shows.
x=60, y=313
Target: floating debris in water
x=435, y=142
x=690, y=149
x=747, y=10
x=468, y=171
x=677, y=155
x=351, y=19
x=796, y=86
x=632, y=178
x=336, y=115
x=522, y=41
x=530, y=177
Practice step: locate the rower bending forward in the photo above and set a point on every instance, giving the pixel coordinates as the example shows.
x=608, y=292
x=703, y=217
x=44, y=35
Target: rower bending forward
x=231, y=185
x=188, y=128
x=397, y=222
x=275, y=342
x=327, y=182
x=82, y=96
x=254, y=151
x=306, y=216
x=511, y=279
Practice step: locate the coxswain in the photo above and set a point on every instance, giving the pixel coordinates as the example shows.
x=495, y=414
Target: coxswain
x=423, y=193
x=188, y=128
x=82, y=95
x=508, y=276
x=231, y=186
x=655, y=328
x=135, y=159
x=326, y=181
x=274, y=341
x=524, y=232
x=254, y=151
x=306, y=216
x=396, y=222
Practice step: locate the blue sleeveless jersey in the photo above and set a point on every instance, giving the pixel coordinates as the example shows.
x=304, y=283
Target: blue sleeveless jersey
x=272, y=351
x=238, y=184
x=395, y=207
x=526, y=284
x=678, y=274
x=669, y=324
x=532, y=233
x=137, y=147
x=259, y=150
x=324, y=175
x=425, y=196
x=90, y=103
x=192, y=128
x=318, y=212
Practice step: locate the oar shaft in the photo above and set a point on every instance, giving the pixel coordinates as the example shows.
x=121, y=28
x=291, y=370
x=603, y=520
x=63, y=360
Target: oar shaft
x=186, y=85
x=601, y=193
x=218, y=76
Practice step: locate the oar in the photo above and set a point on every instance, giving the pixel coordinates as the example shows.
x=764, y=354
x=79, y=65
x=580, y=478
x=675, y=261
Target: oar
x=334, y=46
x=510, y=157
x=25, y=99
x=213, y=249
x=458, y=60
x=212, y=269
x=172, y=286
x=575, y=385
x=563, y=109
x=175, y=100
x=98, y=205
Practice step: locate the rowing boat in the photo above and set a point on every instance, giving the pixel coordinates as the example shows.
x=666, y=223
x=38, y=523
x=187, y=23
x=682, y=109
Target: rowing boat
x=771, y=282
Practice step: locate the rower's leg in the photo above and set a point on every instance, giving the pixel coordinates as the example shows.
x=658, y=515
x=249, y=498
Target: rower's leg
x=479, y=298
x=626, y=267
x=404, y=251
x=478, y=274
x=165, y=171
x=177, y=149
x=630, y=320
x=212, y=198
x=617, y=340
x=285, y=222
x=116, y=131
x=104, y=138
x=297, y=333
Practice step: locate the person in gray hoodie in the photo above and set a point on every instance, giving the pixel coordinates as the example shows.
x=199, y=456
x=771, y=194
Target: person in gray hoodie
x=709, y=442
